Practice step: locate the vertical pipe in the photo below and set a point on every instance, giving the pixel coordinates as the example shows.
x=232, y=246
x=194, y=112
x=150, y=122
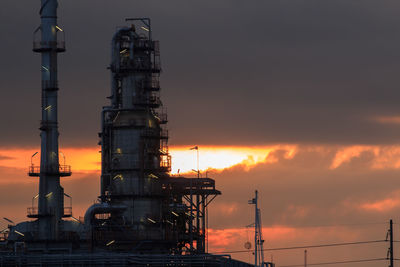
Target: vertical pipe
x=191, y=219
x=203, y=231
x=207, y=224
x=256, y=231
x=198, y=220
x=391, y=243
x=305, y=258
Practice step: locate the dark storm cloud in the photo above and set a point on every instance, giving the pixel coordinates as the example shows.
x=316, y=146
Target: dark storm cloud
x=235, y=72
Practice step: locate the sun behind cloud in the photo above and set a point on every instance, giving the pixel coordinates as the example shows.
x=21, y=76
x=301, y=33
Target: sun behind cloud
x=184, y=160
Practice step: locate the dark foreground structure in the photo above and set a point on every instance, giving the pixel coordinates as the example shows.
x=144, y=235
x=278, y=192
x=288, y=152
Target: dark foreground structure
x=120, y=259
x=144, y=216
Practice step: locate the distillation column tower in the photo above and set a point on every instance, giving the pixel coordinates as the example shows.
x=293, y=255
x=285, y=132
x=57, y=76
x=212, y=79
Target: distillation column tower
x=142, y=207
x=135, y=159
x=49, y=42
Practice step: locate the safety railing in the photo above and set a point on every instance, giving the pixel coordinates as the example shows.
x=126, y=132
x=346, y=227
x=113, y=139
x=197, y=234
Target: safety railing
x=164, y=134
x=33, y=212
x=41, y=46
x=63, y=170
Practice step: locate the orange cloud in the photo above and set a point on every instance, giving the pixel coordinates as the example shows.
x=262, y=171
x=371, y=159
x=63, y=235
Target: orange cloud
x=221, y=157
x=382, y=205
x=346, y=154
x=387, y=119
x=383, y=157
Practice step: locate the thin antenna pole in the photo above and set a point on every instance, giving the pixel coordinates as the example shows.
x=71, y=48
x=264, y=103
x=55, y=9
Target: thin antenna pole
x=258, y=241
x=391, y=243
x=305, y=258
x=256, y=231
x=198, y=168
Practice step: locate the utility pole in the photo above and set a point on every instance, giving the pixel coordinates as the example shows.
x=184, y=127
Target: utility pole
x=256, y=230
x=391, y=243
x=258, y=241
x=305, y=258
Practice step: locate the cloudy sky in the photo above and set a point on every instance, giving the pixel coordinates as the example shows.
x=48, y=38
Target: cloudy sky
x=298, y=99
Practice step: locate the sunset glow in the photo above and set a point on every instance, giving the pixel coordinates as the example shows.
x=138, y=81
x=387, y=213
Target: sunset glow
x=82, y=160
x=218, y=158
x=212, y=158
x=85, y=160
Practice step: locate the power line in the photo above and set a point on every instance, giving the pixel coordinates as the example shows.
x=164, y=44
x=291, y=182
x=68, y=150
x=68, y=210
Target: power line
x=336, y=262
x=337, y=225
x=310, y=246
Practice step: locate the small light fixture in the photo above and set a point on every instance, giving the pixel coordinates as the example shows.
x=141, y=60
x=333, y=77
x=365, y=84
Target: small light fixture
x=118, y=176
x=150, y=220
x=110, y=243
x=144, y=28
x=58, y=28
x=21, y=234
x=152, y=176
x=75, y=219
x=176, y=214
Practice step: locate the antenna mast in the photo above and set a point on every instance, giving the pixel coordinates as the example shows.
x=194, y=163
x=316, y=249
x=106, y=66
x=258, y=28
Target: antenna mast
x=258, y=241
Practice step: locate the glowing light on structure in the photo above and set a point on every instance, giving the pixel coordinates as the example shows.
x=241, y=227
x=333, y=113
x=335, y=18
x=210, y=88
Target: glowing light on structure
x=110, y=243
x=150, y=220
x=75, y=219
x=17, y=232
x=118, y=176
x=152, y=176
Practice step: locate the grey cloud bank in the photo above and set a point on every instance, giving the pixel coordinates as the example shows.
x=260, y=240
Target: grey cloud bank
x=235, y=72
